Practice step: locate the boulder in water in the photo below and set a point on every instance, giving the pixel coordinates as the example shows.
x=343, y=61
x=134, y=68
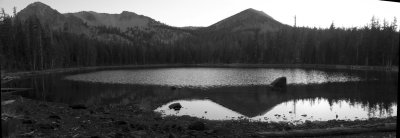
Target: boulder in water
x=175, y=106
x=279, y=83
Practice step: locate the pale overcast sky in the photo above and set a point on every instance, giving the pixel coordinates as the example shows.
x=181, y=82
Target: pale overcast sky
x=318, y=13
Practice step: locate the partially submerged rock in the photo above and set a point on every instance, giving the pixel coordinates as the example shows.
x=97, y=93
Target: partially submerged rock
x=173, y=88
x=198, y=125
x=78, y=106
x=279, y=83
x=175, y=106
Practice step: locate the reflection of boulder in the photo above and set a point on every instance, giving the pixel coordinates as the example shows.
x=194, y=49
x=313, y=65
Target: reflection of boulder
x=175, y=106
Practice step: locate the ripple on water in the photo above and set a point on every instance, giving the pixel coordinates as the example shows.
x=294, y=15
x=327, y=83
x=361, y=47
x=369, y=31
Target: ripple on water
x=212, y=77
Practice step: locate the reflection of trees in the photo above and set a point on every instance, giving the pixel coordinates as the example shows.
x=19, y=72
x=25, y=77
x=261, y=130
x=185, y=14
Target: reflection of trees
x=250, y=101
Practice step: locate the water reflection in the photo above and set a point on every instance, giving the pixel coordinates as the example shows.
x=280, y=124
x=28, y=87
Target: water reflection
x=375, y=92
x=321, y=109
x=293, y=111
x=199, y=108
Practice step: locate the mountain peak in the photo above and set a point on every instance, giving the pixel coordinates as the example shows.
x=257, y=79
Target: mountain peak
x=250, y=9
x=254, y=11
x=38, y=5
x=127, y=12
x=39, y=9
x=248, y=19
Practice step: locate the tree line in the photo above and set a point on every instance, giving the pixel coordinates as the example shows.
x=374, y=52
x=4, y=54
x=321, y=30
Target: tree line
x=32, y=45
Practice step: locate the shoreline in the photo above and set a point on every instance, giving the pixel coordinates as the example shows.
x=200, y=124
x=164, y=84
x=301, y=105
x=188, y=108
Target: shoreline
x=28, y=117
x=31, y=118
x=8, y=76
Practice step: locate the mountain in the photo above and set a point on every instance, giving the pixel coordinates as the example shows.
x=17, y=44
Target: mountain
x=131, y=24
x=48, y=16
x=129, y=27
x=248, y=19
x=123, y=21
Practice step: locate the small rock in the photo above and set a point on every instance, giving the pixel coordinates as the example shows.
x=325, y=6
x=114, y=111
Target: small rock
x=222, y=131
x=139, y=133
x=175, y=106
x=210, y=131
x=173, y=88
x=198, y=125
x=54, y=117
x=28, y=121
x=172, y=135
x=43, y=105
x=158, y=118
x=78, y=106
x=303, y=115
x=139, y=126
x=47, y=126
x=121, y=122
x=308, y=122
x=290, y=112
x=118, y=135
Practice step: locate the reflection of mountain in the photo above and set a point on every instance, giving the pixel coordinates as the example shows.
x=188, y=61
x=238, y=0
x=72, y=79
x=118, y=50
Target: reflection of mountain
x=249, y=101
x=253, y=101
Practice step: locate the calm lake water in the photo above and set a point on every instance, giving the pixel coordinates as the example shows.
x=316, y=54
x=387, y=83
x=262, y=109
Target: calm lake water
x=228, y=93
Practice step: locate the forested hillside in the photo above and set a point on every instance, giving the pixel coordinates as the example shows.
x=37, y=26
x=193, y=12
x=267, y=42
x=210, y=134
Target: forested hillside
x=374, y=44
x=30, y=43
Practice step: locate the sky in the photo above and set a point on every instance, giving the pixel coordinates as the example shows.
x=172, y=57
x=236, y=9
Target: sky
x=310, y=13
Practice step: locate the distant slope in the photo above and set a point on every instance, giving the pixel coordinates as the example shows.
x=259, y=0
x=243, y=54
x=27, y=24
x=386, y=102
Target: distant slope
x=123, y=21
x=248, y=19
x=131, y=26
x=131, y=23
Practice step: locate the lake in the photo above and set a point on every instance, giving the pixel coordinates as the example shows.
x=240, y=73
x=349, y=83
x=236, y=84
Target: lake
x=227, y=93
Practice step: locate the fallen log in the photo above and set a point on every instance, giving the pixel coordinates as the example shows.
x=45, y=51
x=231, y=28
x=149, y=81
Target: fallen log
x=388, y=127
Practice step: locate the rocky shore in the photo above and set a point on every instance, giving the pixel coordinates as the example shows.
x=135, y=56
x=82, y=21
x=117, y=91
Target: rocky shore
x=23, y=117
